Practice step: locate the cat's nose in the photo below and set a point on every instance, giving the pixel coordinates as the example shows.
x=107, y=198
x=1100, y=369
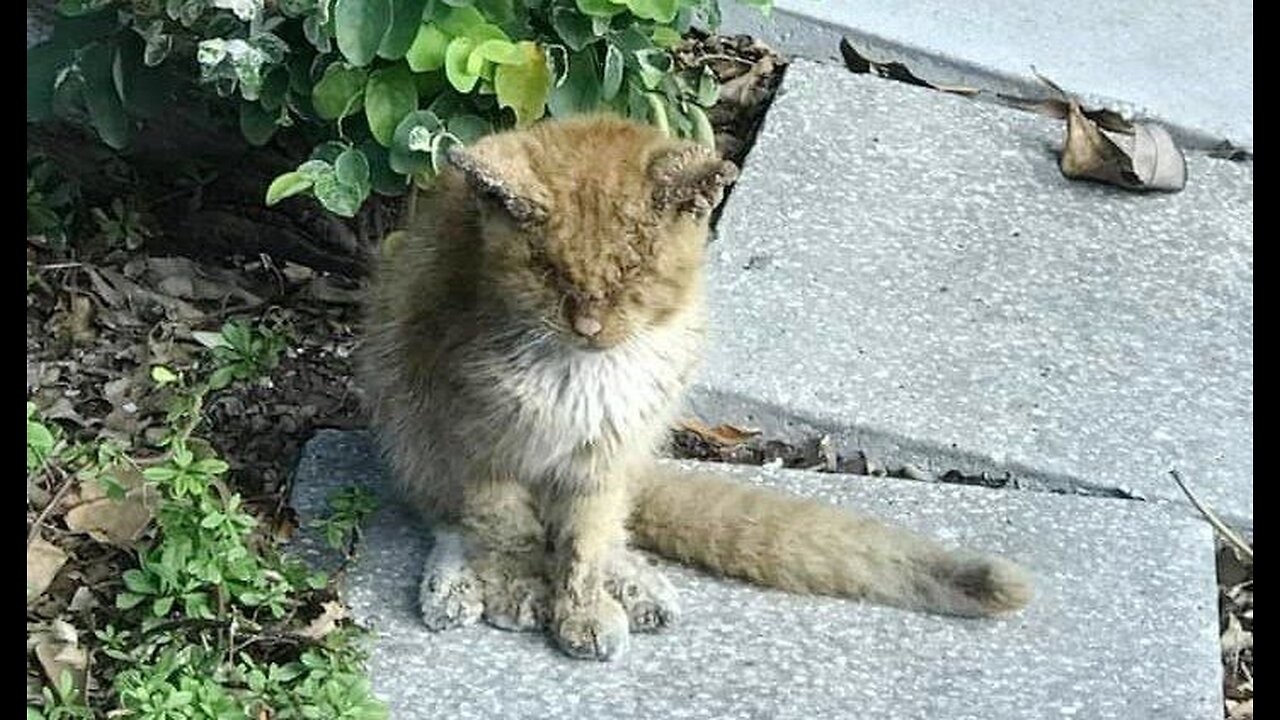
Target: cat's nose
x=587, y=326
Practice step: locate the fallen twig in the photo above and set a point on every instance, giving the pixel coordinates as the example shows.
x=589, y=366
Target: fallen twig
x=1226, y=532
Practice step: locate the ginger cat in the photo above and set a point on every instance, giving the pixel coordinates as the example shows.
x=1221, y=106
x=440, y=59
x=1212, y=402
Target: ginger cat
x=528, y=342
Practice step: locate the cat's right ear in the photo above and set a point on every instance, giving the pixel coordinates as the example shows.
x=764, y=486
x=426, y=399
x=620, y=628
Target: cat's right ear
x=691, y=179
x=490, y=183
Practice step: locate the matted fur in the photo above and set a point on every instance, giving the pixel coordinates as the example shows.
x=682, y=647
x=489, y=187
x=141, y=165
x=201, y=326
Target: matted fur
x=527, y=345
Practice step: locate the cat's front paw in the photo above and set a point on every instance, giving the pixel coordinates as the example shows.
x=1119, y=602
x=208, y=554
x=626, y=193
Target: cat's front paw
x=644, y=592
x=451, y=595
x=596, y=631
x=516, y=596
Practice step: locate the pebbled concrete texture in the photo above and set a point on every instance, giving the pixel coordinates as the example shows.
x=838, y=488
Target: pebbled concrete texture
x=1124, y=624
x=1188, y=63
x=909, y=271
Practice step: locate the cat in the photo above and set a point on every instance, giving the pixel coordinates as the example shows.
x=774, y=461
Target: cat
x=527, y=343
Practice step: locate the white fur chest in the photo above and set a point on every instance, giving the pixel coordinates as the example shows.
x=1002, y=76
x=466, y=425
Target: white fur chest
x=565, y=400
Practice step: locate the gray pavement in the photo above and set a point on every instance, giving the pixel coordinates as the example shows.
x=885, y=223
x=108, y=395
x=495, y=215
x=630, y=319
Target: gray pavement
x=1124, y=624
x=910, y=272
x=1186, y=62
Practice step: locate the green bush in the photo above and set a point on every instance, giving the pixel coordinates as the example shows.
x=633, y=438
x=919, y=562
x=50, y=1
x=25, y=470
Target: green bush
x=384, y=86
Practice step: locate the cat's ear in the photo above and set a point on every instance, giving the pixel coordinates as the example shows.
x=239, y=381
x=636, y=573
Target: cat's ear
x=690, y=179
x=495, y=183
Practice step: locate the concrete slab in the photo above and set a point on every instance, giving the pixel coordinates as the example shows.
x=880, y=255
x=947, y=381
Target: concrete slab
x=1124, y=624
x=909, y=271
x=1186, y=62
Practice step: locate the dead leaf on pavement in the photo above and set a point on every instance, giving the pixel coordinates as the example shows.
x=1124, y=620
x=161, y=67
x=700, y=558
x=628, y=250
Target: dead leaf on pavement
x=723, y=435
x=859, y=62
x=1101, y=145
x=327, y=622
x=44, y=560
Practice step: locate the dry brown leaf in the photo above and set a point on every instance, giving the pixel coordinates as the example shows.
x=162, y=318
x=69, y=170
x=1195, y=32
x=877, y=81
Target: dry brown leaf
x=59, y=651
x=183, y=278
x=1240, y=710
x=44, y=560
x=1103, y=146
x=326, y=622
x=724, y=435
x=118, y=522
x=859, y=62
x=1059, y=107
x=1235, y=640
x=83, y=599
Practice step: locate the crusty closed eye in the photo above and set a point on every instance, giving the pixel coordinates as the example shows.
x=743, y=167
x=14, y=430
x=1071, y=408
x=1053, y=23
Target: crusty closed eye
x=608, y=216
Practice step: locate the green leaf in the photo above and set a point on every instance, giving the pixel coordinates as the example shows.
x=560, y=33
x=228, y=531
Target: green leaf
x=658, y=112
x=469, y=128
x=580, y=91
x=336, y=197
x=44, y=62
x=360, y=26
x=162, y=375
x=666, y=37
x=102, y=97
x=406, y=18
x=287, y=185
x=159, y=473
x=139, y=582
x=653, y=65
x=455, y=64
x=352, y=168
x=524, y=87
x=325, y=153
x=404, y=157
x=613, y=66
x=573, y=27
x=702, y=130
x=126, y=600
x=382, y=178
x=600, y=8
x=663, y=11
x=161, y=606
x=215, y=339
x=210, y=466
x=339, y=92
x=461, y=21
x=502, y=52
x=390, y=95
x=220, y=378
x=428, y=49
x=256, y=124
x=440, y=145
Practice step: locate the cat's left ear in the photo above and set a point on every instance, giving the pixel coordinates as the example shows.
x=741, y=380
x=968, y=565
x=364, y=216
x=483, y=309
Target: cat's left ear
x=690, y=179
x=490, y=182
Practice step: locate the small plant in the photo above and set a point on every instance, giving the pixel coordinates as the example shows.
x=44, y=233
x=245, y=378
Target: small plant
x=349, y=507
x=386, y=86
x=121, y=227
x=41, y=439
x=61, y=702
x=51, y=202
x=242, y=352
x=209, y=624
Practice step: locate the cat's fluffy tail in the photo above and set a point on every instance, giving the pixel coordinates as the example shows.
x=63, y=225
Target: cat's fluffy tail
x=804, y=546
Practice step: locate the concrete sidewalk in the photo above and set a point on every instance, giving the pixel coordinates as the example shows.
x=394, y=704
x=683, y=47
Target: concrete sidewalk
x=1188, y=63
x=1124, y=623
x=910, y=272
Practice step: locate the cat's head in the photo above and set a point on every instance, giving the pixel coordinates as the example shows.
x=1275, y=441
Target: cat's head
x=592, y=227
